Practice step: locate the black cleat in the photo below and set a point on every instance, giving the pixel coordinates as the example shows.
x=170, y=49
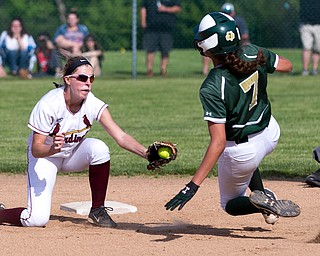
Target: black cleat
x=314, y=179
x=283, y=208
x=100, y=217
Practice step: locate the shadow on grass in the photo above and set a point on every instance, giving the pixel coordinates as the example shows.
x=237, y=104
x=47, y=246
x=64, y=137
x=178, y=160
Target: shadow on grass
x=282, y=175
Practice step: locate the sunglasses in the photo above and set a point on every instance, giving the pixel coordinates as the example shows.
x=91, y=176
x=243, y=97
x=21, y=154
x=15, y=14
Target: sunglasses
x=82, y=78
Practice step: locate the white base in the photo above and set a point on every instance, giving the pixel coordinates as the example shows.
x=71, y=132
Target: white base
x=83, y=208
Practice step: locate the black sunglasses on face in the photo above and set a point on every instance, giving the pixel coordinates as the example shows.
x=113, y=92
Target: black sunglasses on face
x=82, y=77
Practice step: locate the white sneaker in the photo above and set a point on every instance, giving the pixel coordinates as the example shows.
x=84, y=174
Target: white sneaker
x=268, y=217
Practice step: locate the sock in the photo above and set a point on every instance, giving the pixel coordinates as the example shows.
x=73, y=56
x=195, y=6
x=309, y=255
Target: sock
x=98, y=179
x=256, y=181
x=11, y=216
x=241, y=206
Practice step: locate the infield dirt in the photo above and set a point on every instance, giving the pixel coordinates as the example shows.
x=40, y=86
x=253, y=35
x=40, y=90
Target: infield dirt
x=200, y=228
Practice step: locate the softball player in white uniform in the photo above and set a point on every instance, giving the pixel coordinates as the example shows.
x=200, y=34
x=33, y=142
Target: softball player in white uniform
x=236, y=107
x=60, y=122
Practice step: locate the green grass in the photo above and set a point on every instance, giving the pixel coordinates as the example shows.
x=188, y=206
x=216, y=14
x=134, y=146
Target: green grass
x=169, y=109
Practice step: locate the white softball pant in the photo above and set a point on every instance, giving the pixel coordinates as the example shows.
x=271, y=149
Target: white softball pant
x=238, y=161
x=42, y=176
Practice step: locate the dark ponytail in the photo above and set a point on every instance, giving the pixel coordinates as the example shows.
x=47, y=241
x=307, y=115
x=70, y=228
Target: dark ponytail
x=237, y=65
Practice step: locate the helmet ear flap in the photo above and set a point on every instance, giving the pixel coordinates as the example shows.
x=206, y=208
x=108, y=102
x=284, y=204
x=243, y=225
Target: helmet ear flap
x=196, y=47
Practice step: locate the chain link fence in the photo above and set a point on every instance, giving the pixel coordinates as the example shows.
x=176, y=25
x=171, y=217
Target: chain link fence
x=273, y=23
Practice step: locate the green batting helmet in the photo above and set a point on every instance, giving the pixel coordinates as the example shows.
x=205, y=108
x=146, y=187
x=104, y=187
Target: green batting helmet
x=218, y=33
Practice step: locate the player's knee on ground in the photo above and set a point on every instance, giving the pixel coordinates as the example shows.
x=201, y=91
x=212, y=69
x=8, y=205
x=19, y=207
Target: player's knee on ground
x=35, y=219
x=229, y=208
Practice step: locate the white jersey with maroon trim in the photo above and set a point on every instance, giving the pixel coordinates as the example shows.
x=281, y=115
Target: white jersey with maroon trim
x=51, y=116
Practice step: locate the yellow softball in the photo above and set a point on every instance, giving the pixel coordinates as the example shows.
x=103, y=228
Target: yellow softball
x=164, y=152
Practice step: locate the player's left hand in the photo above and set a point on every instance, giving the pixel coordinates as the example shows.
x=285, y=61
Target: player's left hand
x=182, y=197
x=155, y=160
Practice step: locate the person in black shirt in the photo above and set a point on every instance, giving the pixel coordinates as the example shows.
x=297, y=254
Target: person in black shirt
x=158, y=20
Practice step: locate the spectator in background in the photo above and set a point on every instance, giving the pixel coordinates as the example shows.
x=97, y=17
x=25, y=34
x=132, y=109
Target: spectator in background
x=158, y=20
x=69, y=37
x=2, y=70
x=92, y=50
x=18, y=48
x=47, y=58
x=310, y=34
x=228, y=8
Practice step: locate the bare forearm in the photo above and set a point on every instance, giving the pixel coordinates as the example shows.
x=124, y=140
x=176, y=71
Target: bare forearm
x=65, y=43
x=143, y=14
x=210, y=159
x=172, y=9
x=92, y=53
x=129, y=143
x=42, y=150
x=284, y=65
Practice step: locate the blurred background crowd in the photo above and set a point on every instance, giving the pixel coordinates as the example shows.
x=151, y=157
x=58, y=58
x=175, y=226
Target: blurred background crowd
x=109, y=25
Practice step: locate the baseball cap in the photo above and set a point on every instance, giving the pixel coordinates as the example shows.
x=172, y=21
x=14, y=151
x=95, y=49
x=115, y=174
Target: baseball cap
x=227, y=8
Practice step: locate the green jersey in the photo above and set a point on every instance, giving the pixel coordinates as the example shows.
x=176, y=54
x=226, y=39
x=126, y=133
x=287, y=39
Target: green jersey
x=241, y=102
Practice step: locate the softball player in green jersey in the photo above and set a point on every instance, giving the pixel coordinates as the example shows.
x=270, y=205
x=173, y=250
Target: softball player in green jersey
x=236, y=107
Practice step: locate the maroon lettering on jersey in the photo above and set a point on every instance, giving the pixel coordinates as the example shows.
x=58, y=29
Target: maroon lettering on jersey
x=73, y=138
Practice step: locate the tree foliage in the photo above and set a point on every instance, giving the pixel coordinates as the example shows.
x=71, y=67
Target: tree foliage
x=272, y=23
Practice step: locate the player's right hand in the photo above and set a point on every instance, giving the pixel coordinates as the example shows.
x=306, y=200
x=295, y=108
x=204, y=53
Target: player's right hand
x=58, y=141
x=182, y=197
